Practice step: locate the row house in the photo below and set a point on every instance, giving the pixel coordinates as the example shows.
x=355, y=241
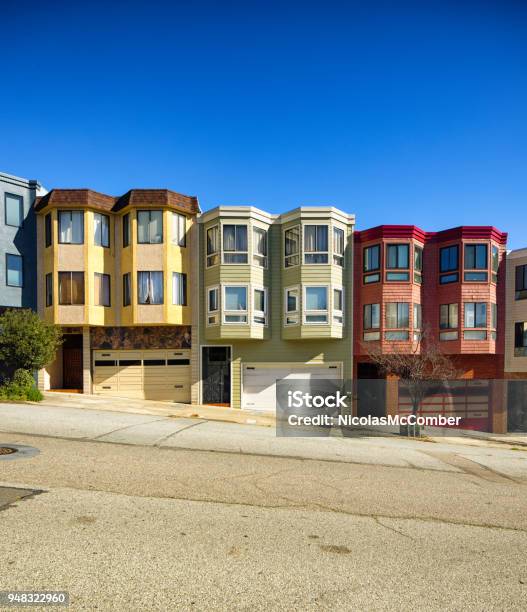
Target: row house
x=114, y=273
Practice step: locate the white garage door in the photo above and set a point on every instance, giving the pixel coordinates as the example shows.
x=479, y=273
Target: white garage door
x=150, y=374
x=259, y=380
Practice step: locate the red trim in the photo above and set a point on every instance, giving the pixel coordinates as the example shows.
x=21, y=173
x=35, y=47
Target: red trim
x=411, y=232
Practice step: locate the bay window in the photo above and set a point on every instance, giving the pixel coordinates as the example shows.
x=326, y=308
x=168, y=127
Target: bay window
x=475, y=317
x=448, y=320
x=398, y=258
x=71, y=226
x=338, y=246
x=101, y=230
x=260, y=306
x=213, y=305
x=476, y=258
x=260, y=247
x=449, y=264
x=71, y=288
x=316, y=244
x=292, y=247
x=127, y=289
x=234, y=244
x=338, y=306
x=291, y=305
x=149, y=226
x=371, y=264
x=397, y=318
x=179, y=289
x=179, y=229
x=316, y=304
x=150, y=288
x=102, y=289
x=371, y=321
x=235, y=304
x=213, y=246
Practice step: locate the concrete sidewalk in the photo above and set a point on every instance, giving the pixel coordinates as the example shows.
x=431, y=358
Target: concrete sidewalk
x=168, y=409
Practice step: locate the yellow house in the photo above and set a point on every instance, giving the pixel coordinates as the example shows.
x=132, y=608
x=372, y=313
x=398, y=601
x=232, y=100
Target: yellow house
x=115, y=273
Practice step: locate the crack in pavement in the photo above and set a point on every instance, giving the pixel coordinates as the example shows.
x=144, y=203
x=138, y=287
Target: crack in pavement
x=375, y=516
x=98, y=438
x=157, y=443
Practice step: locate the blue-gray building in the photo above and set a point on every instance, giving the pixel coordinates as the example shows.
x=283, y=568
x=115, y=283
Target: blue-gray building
x=18, y=242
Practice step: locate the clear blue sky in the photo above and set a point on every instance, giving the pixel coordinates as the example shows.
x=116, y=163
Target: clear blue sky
x=399, y=112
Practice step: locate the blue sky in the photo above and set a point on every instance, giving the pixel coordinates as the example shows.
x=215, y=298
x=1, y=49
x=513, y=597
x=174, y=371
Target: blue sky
x=407, y=112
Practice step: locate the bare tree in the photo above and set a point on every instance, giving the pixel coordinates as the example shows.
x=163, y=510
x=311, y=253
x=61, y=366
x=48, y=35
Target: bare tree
x=421, y=369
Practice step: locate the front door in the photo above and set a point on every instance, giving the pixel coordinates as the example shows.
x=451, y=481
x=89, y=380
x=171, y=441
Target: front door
x=216, y=375
x=72, y=362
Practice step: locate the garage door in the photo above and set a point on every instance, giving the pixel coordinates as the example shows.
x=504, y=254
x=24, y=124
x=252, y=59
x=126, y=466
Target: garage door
x=156, y=375
x=259, y=380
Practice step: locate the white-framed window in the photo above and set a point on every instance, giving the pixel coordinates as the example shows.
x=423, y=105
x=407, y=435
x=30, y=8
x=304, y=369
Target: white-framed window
x=213, y=246
x=234, y=244
x=316, y=246
x=71, y=226
x=213, y=305
x=316, y=304
x=338, y=305
x=235, y=304
x=179, y=229
x=260, y=305
x=260, y=247
x=338, y=246
x=179, y=288
x=101, y=230
x=291, y=305
x=292, y=246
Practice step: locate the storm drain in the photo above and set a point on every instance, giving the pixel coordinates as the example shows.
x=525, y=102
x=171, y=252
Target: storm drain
x=17, y=451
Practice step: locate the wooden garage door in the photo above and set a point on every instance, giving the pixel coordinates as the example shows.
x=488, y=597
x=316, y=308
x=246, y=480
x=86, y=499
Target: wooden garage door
x=155, y=375
x=259, y=380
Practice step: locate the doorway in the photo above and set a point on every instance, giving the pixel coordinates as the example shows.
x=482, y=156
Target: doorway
x=72, y=362
x=216, y=375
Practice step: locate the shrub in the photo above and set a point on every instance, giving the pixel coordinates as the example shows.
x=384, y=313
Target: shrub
x=26, y=341
x=21, y=387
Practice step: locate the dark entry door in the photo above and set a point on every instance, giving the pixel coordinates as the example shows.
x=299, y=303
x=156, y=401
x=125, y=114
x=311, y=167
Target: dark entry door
x=72, y=362
x=371, y=391
x=216, y=375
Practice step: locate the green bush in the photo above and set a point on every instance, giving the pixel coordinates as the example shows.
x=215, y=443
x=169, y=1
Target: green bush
x=21, y=387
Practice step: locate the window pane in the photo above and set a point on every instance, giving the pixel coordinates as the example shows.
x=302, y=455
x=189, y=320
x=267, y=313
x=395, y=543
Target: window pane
x=260, y=241
x=443, y=316
x=371, y=258
x=14, y=210
x=143, y=220
x=337, y=299
x=156, y=227
x=49, y=289
x=322, y=237
x=375, y=316
x=292, y=300
x=15, y=276
x=64, y=227
x=403, y=317
x=391, y=315
x=127, y=289
x=235, y=298
x=292, y=246
x=402, y=256
x=495, y=258
x=418, y=259
x=392, y=256
x=449, y=258
x=241, y=238
x=179, y=289
x=126, y=230
x=213, y=300
x=453, y=314
x=481, y=315
x=338, y=240
x=229, y=238
x=316, y=298
x=470, y=315
x=259, y=300
x=179, y=229
x=77, y=227
x=481, y=256
x=77, y=287
x=310, y=238
x=212, y=243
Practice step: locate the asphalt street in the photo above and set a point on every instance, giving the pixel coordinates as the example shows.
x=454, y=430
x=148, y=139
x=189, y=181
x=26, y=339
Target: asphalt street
x=140, y=520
